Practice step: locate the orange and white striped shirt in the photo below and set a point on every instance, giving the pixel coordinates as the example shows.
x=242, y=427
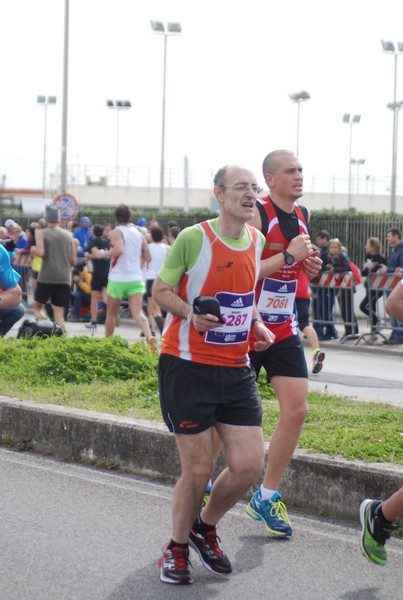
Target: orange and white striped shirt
x=229, y=273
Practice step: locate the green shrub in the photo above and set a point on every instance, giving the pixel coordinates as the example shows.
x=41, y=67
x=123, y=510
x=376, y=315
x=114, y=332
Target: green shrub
x=79, y=359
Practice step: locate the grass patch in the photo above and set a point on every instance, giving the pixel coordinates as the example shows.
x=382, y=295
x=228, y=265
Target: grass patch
x=111, y=376
x=367, y=431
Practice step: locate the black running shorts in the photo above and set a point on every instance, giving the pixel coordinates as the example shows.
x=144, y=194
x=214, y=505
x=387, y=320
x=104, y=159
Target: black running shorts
x=195, y=396
x=57, y=293
x=285, y=358
x=99, y=281
x=149, y=288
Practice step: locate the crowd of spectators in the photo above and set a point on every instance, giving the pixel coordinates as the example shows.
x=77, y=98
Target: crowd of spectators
x=335, y=260
x=88, y=273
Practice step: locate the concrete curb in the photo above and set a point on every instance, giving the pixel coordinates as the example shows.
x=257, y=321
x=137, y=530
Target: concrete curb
x=315, y=483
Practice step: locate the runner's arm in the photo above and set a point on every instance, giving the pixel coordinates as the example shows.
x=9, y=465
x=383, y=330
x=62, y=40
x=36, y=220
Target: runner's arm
x=39, y=248
x=312, y=265
x=11, y=297
x=166, y=297
x=394, y=303
x=300, y=247
x=73, y=252
x=116, y=245
x=145, y=252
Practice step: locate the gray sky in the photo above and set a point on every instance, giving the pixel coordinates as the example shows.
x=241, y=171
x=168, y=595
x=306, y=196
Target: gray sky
x=228, y=78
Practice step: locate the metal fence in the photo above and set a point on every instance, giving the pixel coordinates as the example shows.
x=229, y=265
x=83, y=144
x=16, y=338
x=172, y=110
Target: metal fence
x=353, y=231
x=331, y=289
x=25, y=282
x=326, y=289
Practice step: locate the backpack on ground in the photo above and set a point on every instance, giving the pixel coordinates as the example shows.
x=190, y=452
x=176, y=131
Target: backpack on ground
x=42, y=328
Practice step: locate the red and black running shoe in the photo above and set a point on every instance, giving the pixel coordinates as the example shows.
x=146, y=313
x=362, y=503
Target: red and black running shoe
x=209, y=551
x=174, y=564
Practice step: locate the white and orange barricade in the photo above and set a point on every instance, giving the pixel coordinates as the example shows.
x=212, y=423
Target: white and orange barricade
x=384, y=283
x=324, y=290
x=336, y=280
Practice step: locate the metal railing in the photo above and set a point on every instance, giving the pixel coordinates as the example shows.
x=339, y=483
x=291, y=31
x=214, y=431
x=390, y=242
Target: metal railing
x=325, y=290
x=354, y=231
x=329, y=287
x=378, y=288
x=25, y=282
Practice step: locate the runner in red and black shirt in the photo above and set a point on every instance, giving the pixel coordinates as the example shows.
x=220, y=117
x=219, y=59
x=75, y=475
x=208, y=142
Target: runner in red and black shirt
x=288, y=250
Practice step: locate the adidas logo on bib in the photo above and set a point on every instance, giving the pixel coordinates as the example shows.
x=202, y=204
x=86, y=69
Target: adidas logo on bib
x=283, y=289
x=237, y=303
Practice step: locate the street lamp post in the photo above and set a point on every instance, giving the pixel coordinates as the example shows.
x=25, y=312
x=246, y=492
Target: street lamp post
x=396, y=107
x=118, y=105
x=65, y=95
x=389, y=48
x=350, y=121
x=358, y=162
x=298, y=97
x=168, y=29
x=45, y=101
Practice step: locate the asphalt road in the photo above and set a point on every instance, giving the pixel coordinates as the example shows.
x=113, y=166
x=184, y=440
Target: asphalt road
x=73, y=533
x=359, y=372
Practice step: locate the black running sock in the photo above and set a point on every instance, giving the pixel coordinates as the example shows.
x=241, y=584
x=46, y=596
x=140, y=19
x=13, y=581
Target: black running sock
x=200, y=527
x=173, y=544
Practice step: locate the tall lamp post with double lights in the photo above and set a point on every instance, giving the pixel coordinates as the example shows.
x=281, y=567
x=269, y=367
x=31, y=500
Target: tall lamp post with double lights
x=118, y=105
x=45, y=101
x=350, y=120
x=165, y=30
x=298, y=97
x=389, y=48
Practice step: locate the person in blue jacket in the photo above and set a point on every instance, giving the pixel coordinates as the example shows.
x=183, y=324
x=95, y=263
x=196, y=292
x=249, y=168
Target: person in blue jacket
x=11, y=308
x=83, y=235
x=394, y=267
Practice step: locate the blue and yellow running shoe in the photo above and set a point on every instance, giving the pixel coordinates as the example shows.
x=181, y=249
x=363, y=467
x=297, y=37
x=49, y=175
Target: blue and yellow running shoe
x=272, y=512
